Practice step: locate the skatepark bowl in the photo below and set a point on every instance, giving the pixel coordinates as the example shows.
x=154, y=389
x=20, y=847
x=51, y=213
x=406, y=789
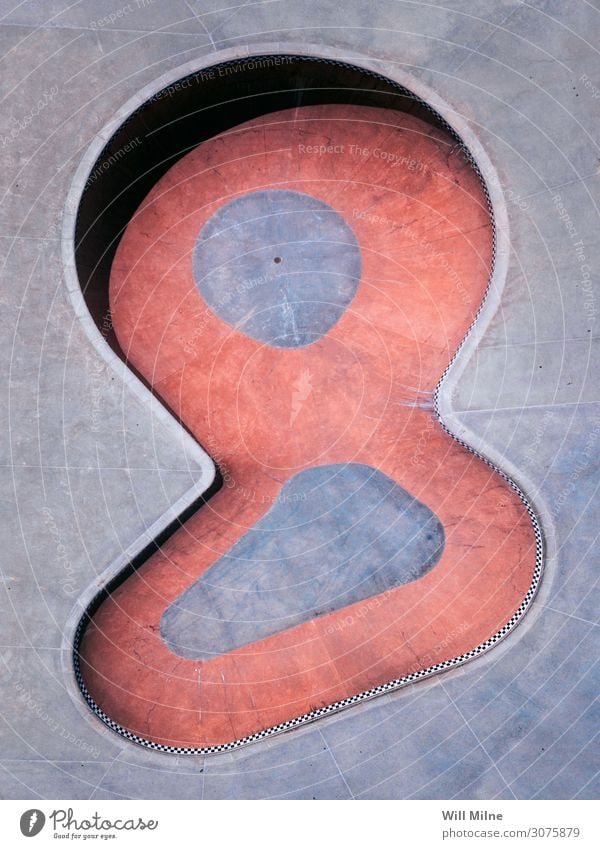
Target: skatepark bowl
x=289, y=258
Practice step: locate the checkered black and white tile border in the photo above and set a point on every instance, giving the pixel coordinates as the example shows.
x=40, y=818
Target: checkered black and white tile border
x=397, y=683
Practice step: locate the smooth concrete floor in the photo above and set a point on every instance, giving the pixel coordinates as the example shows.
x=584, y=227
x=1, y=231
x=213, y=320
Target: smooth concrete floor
x=337, y=534
x=86, y=468
x=425, y=241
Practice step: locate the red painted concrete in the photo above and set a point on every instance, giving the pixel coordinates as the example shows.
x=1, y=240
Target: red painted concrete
x=426, y=244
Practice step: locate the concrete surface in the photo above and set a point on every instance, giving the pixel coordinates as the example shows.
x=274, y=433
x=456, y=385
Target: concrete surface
x=76, y=483
x=337, y=535
x=281, y=266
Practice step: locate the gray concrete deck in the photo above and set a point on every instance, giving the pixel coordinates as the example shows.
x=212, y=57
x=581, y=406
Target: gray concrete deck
x=87, y=466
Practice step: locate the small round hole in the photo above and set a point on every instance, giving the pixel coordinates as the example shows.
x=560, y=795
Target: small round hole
x=277, y=259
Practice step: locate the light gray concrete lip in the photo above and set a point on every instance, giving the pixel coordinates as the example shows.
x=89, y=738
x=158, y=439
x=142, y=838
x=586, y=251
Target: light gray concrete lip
x=455, y=120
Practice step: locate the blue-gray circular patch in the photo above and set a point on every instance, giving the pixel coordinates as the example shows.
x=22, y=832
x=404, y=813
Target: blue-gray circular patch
x=280, y=266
